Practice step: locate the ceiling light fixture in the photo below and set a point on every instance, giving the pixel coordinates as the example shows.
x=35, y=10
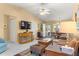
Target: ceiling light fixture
x=43, y=10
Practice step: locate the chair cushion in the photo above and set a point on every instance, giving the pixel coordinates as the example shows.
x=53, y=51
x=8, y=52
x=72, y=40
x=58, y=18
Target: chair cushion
x=72, y=43
x=38, y=48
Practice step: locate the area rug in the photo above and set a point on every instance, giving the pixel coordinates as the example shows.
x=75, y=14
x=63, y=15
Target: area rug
x=24, y=53
x=28, y=53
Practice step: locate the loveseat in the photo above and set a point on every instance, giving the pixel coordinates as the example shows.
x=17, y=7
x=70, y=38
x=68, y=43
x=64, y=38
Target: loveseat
x=3, y=45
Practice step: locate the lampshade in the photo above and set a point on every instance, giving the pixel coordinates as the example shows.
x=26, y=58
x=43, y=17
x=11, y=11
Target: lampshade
x=68, y=27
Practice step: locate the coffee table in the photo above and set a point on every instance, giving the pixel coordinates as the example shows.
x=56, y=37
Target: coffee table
x=54, y=53
x=45, y=42
x=54, y=50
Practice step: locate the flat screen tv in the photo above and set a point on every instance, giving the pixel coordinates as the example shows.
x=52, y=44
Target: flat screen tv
x=25, y=25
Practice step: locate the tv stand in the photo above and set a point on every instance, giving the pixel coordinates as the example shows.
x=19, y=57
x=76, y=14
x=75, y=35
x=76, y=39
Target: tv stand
x=25, y=37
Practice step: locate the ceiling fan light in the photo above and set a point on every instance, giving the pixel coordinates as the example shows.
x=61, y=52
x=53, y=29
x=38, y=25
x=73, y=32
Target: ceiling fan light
x=42, y=13
x=44, y=9
x=47, y=12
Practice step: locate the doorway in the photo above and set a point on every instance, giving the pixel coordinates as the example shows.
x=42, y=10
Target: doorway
x=10, y=28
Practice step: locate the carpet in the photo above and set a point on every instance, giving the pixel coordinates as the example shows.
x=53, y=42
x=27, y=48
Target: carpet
x=28, y=53
x=24, y=53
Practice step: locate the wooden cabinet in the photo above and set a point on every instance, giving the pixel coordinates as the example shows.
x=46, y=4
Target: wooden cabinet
x=25, y=37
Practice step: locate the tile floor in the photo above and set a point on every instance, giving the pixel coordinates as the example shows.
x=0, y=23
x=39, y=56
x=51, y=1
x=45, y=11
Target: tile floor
x=14, y=48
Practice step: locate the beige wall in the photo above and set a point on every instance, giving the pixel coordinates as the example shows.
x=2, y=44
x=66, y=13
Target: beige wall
x=68, y=27
x=18, y=13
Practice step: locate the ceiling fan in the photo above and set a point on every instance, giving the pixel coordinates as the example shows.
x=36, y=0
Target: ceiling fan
x=44, y=10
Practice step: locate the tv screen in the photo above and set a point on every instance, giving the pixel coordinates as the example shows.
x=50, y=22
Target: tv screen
x=24, y=25
x=28, y=26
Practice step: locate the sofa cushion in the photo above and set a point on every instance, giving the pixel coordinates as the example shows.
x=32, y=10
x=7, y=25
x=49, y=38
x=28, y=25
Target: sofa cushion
x=3, y=44
x=3, y=47
x=2, y=41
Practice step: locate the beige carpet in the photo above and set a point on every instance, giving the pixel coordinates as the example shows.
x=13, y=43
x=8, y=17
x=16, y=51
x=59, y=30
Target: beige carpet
x=28, y=53
x=24, y=53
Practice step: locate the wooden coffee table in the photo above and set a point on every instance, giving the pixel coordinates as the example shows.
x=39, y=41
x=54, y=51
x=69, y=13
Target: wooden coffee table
x=54, y=53
x=45, y=42
x=54, y=50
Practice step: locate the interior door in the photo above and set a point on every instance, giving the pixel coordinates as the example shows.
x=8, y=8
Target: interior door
x=10, y=28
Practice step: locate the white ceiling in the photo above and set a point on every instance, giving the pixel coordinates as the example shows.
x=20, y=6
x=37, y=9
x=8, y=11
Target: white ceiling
x=62, y=11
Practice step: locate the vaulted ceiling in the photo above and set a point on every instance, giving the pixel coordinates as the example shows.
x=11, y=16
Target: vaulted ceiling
x=58, y=11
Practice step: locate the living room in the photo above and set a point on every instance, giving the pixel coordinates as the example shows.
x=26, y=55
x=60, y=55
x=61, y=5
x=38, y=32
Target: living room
x=39, y=29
